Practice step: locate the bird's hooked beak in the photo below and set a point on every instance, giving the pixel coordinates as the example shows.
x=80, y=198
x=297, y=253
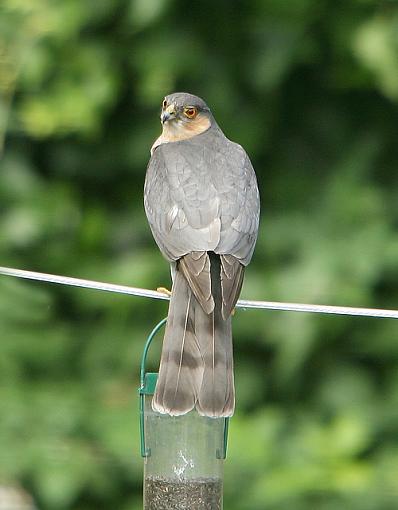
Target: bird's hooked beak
x=168, y=113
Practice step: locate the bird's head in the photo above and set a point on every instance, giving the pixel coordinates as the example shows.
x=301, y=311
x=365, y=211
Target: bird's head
x=184, y=116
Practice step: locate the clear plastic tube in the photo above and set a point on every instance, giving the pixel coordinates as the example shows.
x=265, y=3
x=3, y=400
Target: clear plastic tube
x=184, y=461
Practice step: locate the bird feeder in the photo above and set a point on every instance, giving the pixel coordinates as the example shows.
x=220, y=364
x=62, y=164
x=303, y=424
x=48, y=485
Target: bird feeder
x=183, y=455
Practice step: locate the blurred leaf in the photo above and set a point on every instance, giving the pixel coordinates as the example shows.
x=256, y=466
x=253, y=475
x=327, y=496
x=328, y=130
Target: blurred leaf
x=376, y=45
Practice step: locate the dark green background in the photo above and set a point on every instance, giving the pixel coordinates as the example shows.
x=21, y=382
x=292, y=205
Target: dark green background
x=310, y=89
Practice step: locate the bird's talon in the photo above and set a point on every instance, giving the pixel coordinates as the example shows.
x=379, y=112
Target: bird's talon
x=163, y=290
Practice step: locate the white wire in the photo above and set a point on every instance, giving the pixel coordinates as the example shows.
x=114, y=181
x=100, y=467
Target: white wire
x=242, y=303
x=78, y=282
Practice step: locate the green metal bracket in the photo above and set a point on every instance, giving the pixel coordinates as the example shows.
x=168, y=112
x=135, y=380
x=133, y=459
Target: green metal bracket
x=223, y=454
x=147, y=387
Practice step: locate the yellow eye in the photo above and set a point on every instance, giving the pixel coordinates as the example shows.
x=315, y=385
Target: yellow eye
x=190, y=112
x=164, y=104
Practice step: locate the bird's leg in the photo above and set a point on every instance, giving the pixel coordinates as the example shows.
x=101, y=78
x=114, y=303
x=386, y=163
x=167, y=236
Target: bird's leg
x=163, y=290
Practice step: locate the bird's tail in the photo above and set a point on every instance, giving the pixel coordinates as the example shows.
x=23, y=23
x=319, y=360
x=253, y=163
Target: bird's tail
x=196, y=366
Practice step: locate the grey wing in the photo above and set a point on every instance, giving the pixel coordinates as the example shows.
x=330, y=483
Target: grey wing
x=240, y=207
x=182, y=209
x=240, y=212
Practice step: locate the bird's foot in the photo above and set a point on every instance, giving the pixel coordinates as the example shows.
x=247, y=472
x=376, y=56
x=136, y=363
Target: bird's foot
x=163, y=290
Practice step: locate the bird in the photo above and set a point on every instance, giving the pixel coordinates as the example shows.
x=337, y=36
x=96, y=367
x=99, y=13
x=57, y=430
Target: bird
x=202, y=203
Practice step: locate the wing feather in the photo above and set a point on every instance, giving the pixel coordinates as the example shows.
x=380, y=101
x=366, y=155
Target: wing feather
x=195, y=267
x=232, y=272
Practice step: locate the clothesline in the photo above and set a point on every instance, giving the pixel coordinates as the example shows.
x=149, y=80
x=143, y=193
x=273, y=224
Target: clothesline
x=242, y=303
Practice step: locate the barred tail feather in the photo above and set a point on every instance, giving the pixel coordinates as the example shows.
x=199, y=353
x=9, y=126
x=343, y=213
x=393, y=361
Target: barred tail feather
x=196, y=366
x=217, y=392
x=181, y=364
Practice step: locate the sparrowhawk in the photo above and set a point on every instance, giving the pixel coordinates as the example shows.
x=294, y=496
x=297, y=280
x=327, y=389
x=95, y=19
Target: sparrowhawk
x=202, y=203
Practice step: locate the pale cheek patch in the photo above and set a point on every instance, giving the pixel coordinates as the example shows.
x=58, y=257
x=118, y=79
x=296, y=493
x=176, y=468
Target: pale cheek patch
x=198, y=125
x=181, y=130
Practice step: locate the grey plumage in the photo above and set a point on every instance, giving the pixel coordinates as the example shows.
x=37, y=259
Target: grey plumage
x=202, y=204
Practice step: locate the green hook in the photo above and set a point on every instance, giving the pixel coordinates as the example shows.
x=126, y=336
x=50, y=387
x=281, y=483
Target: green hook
x=147, y=385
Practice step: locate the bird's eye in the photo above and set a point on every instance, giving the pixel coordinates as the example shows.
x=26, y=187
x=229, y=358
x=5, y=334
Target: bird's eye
x=190, y=112
x=164, y=104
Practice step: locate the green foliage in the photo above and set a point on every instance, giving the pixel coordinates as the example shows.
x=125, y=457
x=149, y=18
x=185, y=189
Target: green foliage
x=310, y=89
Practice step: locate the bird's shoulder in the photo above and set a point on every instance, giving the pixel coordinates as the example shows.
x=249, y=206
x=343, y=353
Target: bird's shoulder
x=211, y=149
